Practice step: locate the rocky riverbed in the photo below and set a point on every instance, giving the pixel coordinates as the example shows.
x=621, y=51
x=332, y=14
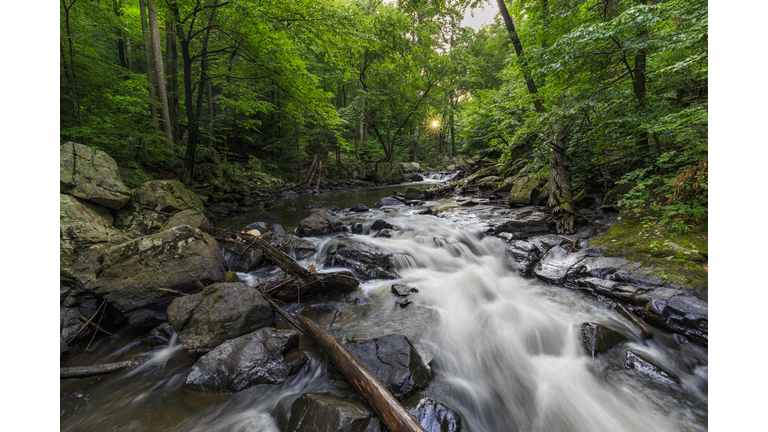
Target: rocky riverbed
x=468, y=312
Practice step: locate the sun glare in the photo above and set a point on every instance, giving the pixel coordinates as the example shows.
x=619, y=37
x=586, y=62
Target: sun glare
x=434, y=123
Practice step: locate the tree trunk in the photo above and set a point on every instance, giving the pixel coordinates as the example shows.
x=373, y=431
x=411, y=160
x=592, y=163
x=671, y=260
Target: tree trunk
x=173, y=84
x=560, y=186
x=148, y=58
x=416, y=146
x=72, y=74
x=453, y=136
x=210, y=113
x=154, y=31
x=638, y=84
x=128, y=59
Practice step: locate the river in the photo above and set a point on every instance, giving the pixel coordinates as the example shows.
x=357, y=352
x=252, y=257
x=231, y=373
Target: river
x=505, y=349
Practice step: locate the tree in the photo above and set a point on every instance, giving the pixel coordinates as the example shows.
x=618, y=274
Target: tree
x=154, y=30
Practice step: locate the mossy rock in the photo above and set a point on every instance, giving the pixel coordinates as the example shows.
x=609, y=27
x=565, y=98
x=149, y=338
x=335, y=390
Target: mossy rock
x=527, y=189
x=91, y=175
x=412, y=189
x=166, y=196
x=675, y=258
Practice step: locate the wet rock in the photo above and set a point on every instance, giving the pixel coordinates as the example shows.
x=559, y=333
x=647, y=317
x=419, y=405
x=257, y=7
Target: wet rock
x=191, y=217
x=529, y=219
x=412, y=203
x=413, y=177
x=645, y=331
x=332, y=210
x=240, y=259
x=91, y=175
x=386, y=233
x=277, y=230
x=471, y=202
x=251, y=359
x=380, y=224
x=323, y=412
x=310, y=205
x=508, y=237
x=320, y=222
x=404, y=303
x=357, y=228
x=294, y=247
x=403, y=290
x=395, y=362
x=259, y=226
x=359, y=208
x=428, y=211
x=365, y=260
x=597, y=338
x=525, y=254
x=527, y=190
x=159, y=335
x=288, y=194
x=432, y=415
x=171, y=259
x=222, y=311
x=648, y=368
x=387, y=201
x=556, y=265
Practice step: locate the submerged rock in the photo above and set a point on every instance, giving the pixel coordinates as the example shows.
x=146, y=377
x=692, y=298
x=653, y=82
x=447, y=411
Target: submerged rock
x=222, y=311
x=91, y=175
x=365, y=260
x=395, y=362
x=251, y=359
x=323, y=412
x=597, y=338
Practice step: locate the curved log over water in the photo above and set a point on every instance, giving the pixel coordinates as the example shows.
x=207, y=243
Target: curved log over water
x=102, y=369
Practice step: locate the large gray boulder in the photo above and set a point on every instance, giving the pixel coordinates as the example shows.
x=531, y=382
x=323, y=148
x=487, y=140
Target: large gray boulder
x=251, y=359
x=395, y=362
x=293, y=246
x=221, y=312
x=365, y=260
x=152, y=201
x=323, y=412
x=193, y=217
x=166, y=196
x=320, y=222
x=91, y=175
x=172, y=259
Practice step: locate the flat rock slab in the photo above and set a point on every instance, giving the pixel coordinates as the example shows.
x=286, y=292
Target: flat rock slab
x=395, y=362
x=91, y=175
x=251, y=359
x=221, y=312
x=323, y=412
x=525, y=219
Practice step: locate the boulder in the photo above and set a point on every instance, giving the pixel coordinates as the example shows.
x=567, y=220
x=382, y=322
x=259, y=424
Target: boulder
x=259, y=226
x=380, y=224
x=91, y=175
x=165, y=196
x=288, y=194
x=367, y=261
x=525, y=255
x=359, y=208
x=159, y=335
x=323, y=412
x=557, y=264
x=648, y=368
x=410, y=167
x=527, y=190
x=357, y=228
x=240, y=259
x=597, y=338
x=388, y=201
x=258, y=357
x=173, y=259
x=394, y=361
x=294, y=247
x=432, y=415
x=471, y=202
x=403, y=290
x=492, y=170
x=506, y=185
x=192, y=217
x=488, y=182
x=221, y=312
x=83, y=224
x=525, y=219
x=413, y=177
x=320, y=222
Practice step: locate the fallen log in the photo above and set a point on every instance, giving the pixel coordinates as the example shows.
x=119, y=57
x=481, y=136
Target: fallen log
x=645, y=331
x=438, y=191
x=389, y=409
x=102, y=369
x=320, y=283
x=286, y=263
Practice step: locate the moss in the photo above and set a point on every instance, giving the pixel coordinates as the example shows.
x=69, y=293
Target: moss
x=412, y=189
x=674, y=257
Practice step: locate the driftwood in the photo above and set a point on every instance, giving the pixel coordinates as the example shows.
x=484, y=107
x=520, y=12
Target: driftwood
x=286, y=263
x=87, y=322
x=438, y=191
x=102, y=369
x=389, y=410
x=94, y=325
x=645, y=330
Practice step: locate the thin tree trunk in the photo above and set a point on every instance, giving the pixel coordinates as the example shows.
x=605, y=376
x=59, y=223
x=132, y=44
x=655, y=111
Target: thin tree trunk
x=154, y=30
x=416, y=146
x=210, y=114
x=128, y=59
x=453, y=136
x=638, y=84
x=148, y=58
x=560, y=186
x=173, y=84
x=73, y=75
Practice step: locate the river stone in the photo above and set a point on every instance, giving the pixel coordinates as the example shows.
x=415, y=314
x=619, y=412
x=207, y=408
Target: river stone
x=239, y=259
x=525, y=255
x=323, y=412
x=597, y=338
x=259, y=226
x=394, y=361
x=556, y=265
x=166, y=196
x=528, y=219
x=159, y=335
x=389, y=201
x=380, y=224
x=526, y=190
x=489, y=182
x=432, y=415
x=359, y=208
x=221, y=312
x=357, y=228
x=251, y=359
x=91, y=175
x=294, y=247
x=403, y=290
x=648, y=368
x=289, y=194
x=310, y=205
x=368, y=262
x=171, y=259
x=192, y=217
x=413, y=177
x=320, y=222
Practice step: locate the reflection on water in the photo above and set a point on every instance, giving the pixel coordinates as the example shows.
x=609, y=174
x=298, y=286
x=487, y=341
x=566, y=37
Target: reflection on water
x=506, y=350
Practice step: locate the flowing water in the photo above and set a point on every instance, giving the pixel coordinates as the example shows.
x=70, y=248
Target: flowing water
x=505, y=350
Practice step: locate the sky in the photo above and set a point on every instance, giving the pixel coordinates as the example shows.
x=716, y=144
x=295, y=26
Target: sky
x=483, y=15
